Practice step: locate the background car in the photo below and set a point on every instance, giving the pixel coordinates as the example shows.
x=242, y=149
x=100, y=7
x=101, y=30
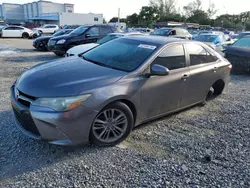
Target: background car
x=239, y=55
x=41, y=43
x=16, y=31
x=82, y=35
x=173, y=32
x=102, y=95
x=243, y=34
x=75, y=51
x=47, y=29
x=216, y=41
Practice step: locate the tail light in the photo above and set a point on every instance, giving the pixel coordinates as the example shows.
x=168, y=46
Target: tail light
x=230, y=67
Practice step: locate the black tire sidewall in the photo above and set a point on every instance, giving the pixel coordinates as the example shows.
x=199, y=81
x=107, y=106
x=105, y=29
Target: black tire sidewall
x=126, y=110
x=25, y=35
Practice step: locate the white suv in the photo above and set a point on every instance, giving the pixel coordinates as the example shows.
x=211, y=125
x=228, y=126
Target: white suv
x=47, y=29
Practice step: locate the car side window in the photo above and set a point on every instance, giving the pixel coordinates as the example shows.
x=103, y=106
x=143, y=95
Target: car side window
x=9, y=28
x=172, y=57
x=105, y=30
x=198, y=55
x=18, y=28
x=173, y=32
x=93, y=31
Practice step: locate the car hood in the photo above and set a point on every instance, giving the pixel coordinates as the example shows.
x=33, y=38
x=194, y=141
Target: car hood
x=81, y=48
x=43, y=38
x=62, y=37
x=66, y=77
x=238, y=51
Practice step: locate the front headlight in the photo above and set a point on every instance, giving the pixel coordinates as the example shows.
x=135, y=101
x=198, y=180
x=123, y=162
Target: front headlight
x=61, y=104
x=62, y=41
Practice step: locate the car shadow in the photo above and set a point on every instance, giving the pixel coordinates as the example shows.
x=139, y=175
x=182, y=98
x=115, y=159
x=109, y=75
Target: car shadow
x=32, y=59
x=20, y=154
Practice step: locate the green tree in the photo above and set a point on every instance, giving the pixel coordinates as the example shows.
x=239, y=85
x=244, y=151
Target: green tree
x=211, y=11
x=199, y=16
x=105, y=21
x=164, y=7
x=148, y=15
x=133, y=19
x=192, y=7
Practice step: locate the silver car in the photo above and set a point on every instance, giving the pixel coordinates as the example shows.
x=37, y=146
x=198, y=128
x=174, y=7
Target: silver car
x=102, y=95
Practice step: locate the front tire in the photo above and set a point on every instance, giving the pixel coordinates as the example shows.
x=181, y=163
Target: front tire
x=25, y=35
x=112, y=125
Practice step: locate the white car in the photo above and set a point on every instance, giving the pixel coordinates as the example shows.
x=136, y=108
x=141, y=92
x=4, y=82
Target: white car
x=16, y=31
x=75, y=51
x=47, y=29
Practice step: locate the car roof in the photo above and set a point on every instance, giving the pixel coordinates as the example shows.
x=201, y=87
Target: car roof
x=154, y=39
x=215, y=34
x=126, y=34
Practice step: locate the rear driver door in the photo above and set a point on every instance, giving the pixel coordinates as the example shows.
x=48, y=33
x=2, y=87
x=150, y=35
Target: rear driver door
x=163, y=94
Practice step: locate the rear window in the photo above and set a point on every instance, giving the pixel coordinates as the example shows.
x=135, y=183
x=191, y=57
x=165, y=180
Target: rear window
x=121, y=54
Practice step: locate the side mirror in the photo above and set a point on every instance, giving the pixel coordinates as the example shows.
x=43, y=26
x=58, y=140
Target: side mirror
x=87, y=35
x=228, y=39
x=159, y=70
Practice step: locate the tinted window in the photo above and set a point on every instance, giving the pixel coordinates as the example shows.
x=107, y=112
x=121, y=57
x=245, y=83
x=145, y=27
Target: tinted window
x=10, y=28
x=80, y=30
x=172, y=57
x=243, y=42
x=108, y=38
x=198, y=55
x=95, y=19
x=122, y=54
x=206, y=38
x=93, y=31
x=50, y=26
x=161, y=32
x=19, y=28
x=105, y=30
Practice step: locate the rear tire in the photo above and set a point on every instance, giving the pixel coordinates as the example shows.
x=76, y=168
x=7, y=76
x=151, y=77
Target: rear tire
x=216, y=90
x=25, y=35
x=112, y=125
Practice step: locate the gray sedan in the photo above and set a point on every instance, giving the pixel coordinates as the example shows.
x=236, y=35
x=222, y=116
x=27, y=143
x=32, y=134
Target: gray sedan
x=102, y=95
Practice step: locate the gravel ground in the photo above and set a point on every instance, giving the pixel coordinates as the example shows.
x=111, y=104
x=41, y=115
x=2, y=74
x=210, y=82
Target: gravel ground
x=200, y=147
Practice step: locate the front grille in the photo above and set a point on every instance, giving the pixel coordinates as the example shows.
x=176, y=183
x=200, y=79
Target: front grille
x=51, y=42
x=23, y=102
x=26, y=121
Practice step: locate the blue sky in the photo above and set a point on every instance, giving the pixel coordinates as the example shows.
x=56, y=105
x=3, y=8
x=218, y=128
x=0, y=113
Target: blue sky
x=110, y=7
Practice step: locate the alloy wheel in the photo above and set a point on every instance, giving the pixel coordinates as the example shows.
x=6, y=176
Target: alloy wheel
x=110, y=125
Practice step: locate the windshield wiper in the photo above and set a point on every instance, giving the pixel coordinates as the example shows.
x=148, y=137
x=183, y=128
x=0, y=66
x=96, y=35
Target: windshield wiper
x=101, y=64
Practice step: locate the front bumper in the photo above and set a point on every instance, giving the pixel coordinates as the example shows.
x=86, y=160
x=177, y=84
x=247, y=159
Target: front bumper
x=60, y=128
x=57, y=48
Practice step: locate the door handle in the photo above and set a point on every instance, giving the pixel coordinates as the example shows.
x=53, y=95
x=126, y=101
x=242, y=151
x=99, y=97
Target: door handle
x=185, y=77
x=215, y=69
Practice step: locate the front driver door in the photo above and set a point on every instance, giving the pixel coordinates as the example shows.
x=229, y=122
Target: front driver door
x=92, y=35
x=163, y=94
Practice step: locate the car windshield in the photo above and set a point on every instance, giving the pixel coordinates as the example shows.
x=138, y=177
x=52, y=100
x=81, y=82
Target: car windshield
x=206, y=38
x=243, y=42
x=58, y=33
x=80, y=30
x=161, y=32
x=108, y=38
x=121, y=54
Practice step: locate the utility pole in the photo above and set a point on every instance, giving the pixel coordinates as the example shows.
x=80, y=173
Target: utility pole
x=119, y=18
